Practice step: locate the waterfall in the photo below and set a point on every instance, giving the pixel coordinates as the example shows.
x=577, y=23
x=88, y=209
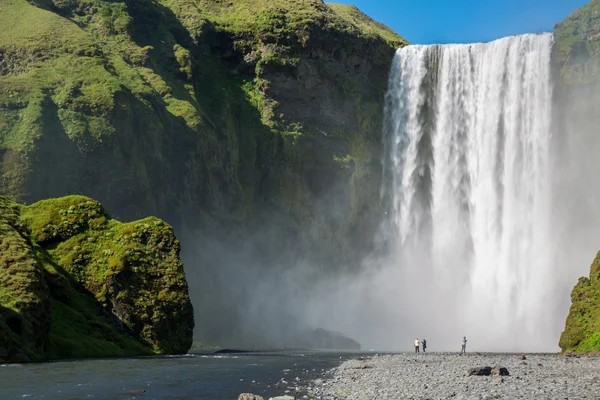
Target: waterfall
x=468, y=181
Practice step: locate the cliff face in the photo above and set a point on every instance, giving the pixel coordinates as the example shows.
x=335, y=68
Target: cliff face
x=197, y=111
x=75, y=283
x=230, y=120
x=577, y=95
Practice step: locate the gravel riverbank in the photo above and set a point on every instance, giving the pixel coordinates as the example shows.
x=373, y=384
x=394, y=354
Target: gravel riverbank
x=445, y=376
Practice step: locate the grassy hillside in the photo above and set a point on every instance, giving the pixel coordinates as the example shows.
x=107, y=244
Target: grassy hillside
x=577, y=48
x=226, y=119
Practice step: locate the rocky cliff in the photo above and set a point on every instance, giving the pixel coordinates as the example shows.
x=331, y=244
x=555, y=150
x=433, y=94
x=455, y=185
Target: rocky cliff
x=229, y=119
x=577, y=95
x=76, y=283
x=196, y=111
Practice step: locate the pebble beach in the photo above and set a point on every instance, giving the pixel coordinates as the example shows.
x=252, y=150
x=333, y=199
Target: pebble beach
x=447, y=376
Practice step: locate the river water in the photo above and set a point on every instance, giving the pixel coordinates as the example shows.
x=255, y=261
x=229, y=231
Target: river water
x=200, y=376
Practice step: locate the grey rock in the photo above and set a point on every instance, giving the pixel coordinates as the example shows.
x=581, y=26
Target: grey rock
x=249, y=396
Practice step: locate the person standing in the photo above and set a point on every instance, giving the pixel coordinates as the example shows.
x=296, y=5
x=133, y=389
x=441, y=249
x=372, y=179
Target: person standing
x=424, y=344
x=416, y=345
x=463, y=350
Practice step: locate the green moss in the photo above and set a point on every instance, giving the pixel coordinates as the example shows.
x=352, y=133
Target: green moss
x=582, y=328
x=577, y=45
x=103, y=287
x=366, y=25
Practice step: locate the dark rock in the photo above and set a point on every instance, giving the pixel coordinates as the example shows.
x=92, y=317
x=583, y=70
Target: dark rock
x=19, y=357
x=480, y=371
x=502, y=371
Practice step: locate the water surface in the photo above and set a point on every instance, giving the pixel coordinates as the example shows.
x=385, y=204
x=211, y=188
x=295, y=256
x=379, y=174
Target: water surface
x=182, y=377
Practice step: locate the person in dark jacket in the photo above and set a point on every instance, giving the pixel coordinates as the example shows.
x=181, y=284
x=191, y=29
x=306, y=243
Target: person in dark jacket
x=424, y=344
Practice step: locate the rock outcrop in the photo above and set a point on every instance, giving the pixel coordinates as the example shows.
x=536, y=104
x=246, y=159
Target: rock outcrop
x=582, y=330
x=76, y=283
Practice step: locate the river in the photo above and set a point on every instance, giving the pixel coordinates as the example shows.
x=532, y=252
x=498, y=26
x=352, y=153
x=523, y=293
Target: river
x=198, y=376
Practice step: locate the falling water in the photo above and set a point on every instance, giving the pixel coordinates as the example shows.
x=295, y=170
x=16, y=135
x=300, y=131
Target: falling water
x=468, y=181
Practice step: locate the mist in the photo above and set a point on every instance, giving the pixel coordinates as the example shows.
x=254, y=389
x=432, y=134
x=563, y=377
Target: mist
x=487, y=219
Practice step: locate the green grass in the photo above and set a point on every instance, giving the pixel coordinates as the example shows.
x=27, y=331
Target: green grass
x=577, y=44
x=366, y=25
x=582, y=328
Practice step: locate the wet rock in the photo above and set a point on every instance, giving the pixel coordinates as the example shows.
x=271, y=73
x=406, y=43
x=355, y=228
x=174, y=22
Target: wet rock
x=249, y=396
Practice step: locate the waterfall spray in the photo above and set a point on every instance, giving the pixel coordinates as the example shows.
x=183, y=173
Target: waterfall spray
x=468, y=180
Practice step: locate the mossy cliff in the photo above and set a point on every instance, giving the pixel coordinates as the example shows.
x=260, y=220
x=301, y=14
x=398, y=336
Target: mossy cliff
x=582, y=331
x=576, y=58
x=241, y=121
x=76, y=283
x=202, y=112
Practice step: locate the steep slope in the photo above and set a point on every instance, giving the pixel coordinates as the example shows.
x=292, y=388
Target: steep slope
x=577, y=95
x=75, y=283
x=230, y=120
x=190, y=107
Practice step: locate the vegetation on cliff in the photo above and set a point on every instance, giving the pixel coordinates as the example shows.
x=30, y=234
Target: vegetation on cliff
x=577, y=95
x=76, y=283
x=222, y=118
x=582, y=331
x=577, y=46
x=218, y=105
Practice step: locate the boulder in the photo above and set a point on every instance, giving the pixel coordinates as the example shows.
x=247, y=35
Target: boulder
x=68, y=270
x=480, y=371
x=522, y=357
x=501, y=371
x=282, y=398
x=249, y=396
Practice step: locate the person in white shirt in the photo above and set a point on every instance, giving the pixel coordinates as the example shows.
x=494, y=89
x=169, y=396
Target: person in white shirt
x=416, y=345
x=463, y=350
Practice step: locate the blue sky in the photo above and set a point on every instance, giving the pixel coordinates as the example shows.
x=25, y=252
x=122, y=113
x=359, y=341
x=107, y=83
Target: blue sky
x=466, y=21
